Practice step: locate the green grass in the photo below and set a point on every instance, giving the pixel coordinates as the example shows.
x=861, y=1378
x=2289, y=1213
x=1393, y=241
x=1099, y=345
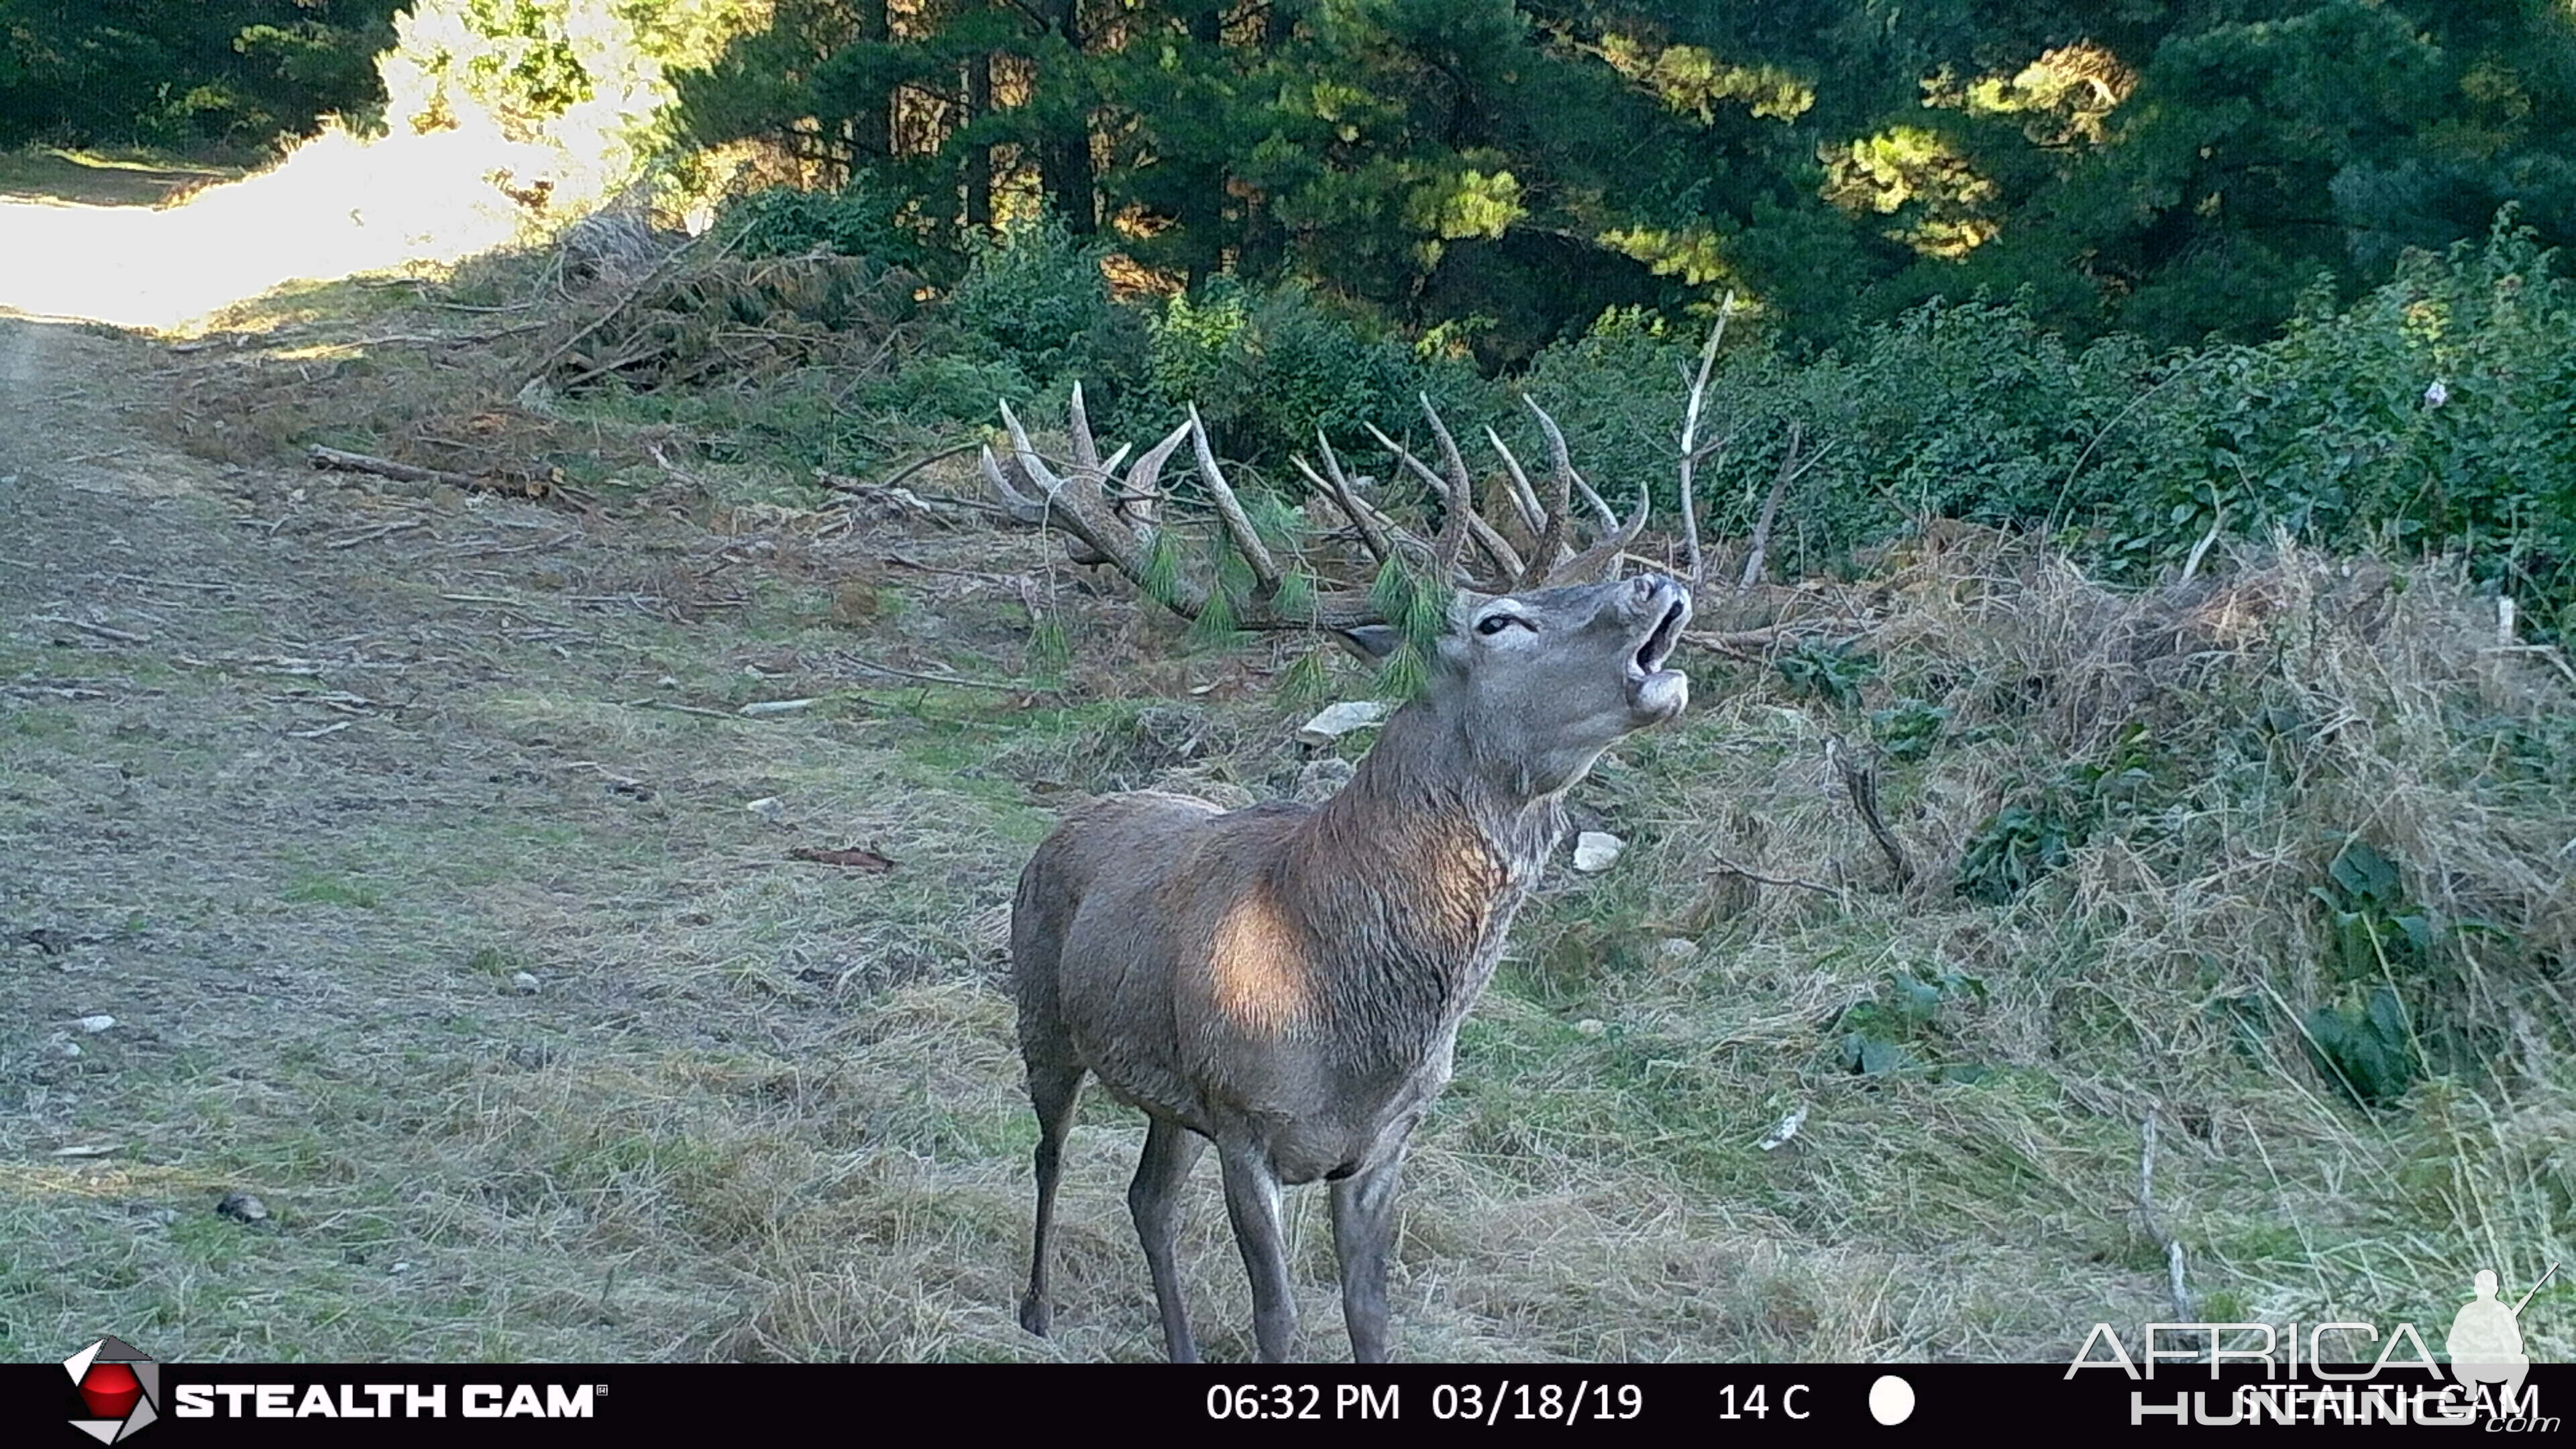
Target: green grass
x=103, y=176
x=761, y=1108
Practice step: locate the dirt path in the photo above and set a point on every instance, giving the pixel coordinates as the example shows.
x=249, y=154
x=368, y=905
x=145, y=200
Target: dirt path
x=481, y=978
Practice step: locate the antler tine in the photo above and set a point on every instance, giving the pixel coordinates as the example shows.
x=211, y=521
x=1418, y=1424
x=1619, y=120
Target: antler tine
x=1563, y=463
x=1086, y=451
x=1364, y=517
x=1238, y=524
x=1462, y=495
x=1550, y=549
x=1524, y=497
x=1140, y=499
x=1020, y=506
x=1451, y=542
x=1608, y=548
x=1462, y=520
x=1030, y=463
x=1105, y=538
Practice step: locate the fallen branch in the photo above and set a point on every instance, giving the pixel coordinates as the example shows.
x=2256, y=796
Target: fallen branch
x=854, y=858
x=1860, y=783
x=353, y=540
x=101, y=630
x=2171, y=1246
x=334, y=458
x=681, y=708
x=1743, y=641
x=1791, y=470
x=1729, y=867
x=1007, y=686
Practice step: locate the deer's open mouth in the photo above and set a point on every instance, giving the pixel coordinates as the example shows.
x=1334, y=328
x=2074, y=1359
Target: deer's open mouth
x=1654, y=692
x=1666, y=635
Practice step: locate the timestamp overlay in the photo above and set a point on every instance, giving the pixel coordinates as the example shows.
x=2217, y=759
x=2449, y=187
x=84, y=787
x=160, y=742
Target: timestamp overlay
x=1440, y=1400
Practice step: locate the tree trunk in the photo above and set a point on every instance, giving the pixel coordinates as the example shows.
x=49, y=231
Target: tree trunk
x=872, y=130
x=1065, y=156
x=979, y=159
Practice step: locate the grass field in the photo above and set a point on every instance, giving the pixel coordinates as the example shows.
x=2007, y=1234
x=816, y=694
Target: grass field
x=443, y=901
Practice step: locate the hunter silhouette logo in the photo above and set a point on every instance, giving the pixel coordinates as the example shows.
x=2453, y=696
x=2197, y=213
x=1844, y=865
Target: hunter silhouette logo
x=120, y=1385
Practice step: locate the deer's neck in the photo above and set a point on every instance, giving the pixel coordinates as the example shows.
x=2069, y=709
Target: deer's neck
x=1414, y=870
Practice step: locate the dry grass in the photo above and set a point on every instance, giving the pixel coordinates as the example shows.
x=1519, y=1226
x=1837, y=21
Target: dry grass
x=762, y=1109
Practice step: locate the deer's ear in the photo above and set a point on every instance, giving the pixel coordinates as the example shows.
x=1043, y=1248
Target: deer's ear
x=1372, y=644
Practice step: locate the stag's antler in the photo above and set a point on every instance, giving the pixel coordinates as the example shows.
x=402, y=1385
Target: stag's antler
x=1115, y=521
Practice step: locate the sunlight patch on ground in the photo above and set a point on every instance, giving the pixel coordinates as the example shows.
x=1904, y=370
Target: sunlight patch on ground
x=336, y=207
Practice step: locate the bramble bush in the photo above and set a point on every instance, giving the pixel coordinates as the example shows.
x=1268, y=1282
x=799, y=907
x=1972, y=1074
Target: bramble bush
x=2436, y=414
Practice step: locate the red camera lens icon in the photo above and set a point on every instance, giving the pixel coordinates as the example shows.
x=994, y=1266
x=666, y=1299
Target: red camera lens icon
x=111, y=1390
x=119, y=1385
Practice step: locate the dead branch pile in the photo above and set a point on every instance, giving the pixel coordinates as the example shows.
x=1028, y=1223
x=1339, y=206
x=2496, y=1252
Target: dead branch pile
x=730, y=322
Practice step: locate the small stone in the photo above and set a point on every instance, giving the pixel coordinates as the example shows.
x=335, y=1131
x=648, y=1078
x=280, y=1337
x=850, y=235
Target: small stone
x=524, y=983
x=1323, y=777
x=1336, y=720
x=855, y=604
x=96, y=1024
x=64, y=1048
x=402, y=1267
x=767, y=807
x=1590, y=1026
x=1596, y=851
x=242, y=1207
x=667, y=682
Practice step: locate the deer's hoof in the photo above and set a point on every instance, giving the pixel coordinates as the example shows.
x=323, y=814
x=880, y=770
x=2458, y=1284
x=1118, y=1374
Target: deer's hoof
x=1037, y=1315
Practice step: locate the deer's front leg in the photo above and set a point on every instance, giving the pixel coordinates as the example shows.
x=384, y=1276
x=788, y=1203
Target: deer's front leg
x=1252, y=1201
x=1364, y=1238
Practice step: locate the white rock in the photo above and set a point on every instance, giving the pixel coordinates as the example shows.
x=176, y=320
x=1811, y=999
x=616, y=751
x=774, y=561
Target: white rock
x=1590, y=1026
x=1784, y=1129
x=766, y=807
x=96, y=1024
x=523, y=983
x=1336, y=720
x=1596, y=851
x=767, y=707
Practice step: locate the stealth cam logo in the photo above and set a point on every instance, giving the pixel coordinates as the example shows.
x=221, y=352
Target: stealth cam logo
x=122, y=1387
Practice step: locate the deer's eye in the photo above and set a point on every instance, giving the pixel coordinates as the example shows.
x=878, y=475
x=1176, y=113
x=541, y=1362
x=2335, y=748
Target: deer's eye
x=1496, y=623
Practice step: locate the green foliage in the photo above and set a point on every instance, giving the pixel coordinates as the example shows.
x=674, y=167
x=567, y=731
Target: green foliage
x=1834, y=673
x=2037, y=833
x=862, y=220
x=1909, y=728
x=1901, y=1030
x=2369, y=1053
x=172, y=72
x=1034, y=297
x=1267, y=369
x=2378, y=931
x=2013, y=848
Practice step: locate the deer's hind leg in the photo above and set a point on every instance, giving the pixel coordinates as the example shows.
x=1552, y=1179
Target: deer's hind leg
x=1055, y=1088
x=1171, y=1150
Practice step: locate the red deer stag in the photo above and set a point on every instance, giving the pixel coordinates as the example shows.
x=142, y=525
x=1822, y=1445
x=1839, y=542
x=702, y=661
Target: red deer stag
x=1287, y=981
